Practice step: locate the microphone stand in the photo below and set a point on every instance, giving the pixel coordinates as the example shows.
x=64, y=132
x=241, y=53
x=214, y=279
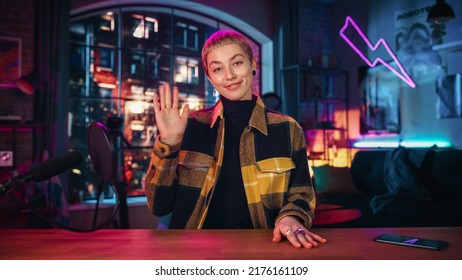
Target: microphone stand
x=5, y=190
x=120, y=186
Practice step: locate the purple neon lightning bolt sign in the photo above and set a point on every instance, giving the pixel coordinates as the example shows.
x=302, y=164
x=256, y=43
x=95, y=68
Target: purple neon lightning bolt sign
x=349, y=22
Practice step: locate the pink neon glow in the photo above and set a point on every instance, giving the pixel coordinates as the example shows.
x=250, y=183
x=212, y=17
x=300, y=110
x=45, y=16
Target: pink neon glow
x=403, y=75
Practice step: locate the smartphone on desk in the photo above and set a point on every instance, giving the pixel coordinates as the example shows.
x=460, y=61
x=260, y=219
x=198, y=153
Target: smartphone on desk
x=412, y=241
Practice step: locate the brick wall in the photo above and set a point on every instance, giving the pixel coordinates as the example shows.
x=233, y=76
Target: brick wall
x=17, y=21
x=315, y=30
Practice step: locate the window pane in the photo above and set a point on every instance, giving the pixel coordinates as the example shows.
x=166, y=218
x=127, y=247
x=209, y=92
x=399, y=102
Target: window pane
x=95, y=29
x=84, y=110
x=136, y=163
x=143, y=71
x=187, y=70
x=139, y=123
x=146, y=30
x=105, y=29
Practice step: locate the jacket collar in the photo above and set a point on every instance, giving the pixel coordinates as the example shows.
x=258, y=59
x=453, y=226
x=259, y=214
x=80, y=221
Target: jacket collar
x=257, y=119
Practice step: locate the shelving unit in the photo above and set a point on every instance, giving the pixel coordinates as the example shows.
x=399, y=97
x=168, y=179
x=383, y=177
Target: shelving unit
x=320, y=101
x=37, y=130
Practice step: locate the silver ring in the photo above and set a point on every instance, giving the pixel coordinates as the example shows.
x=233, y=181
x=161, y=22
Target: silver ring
x=288, y=232
x=174, y=107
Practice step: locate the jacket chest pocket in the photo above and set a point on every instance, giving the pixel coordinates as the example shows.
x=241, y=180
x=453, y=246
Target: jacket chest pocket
x=193, y=168
x=273, y=174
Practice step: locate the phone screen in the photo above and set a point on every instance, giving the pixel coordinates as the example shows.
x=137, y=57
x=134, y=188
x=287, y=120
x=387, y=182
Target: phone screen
x=412, y=241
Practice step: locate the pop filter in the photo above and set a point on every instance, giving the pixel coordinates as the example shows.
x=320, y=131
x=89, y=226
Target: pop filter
x=102, y=152
x=104, y=160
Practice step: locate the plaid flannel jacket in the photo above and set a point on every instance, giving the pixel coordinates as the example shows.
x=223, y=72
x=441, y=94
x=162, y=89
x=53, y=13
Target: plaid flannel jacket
x=274, y=169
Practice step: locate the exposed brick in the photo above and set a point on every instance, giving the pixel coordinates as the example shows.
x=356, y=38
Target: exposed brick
x=17, y=21
x=314, y=30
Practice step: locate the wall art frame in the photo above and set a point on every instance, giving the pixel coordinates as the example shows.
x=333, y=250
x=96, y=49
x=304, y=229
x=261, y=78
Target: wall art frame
x=10, y=61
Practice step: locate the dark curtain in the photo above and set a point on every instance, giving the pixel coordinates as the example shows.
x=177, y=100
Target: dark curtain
x=286, y=51
x=51, y=58
x=51, y=64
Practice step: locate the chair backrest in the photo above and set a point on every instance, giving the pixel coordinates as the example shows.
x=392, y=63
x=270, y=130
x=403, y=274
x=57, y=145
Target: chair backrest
x=272, y=100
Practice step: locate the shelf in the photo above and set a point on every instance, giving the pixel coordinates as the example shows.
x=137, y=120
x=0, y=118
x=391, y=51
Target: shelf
x=322, y=107
x=327, y=129
x=451, y=46
x=22, y=125
x=324, y=100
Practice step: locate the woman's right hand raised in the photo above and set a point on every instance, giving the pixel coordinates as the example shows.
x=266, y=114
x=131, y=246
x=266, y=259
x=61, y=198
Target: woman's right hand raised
x=170, y=123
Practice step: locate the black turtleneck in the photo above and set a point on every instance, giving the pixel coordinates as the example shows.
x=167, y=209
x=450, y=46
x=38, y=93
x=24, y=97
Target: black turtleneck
x=229, y=208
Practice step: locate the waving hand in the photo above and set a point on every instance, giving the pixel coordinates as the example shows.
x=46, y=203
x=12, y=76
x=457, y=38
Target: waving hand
x=170, y=123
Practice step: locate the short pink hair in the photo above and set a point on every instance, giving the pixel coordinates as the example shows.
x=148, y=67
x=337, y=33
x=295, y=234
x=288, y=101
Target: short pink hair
x=222, y=38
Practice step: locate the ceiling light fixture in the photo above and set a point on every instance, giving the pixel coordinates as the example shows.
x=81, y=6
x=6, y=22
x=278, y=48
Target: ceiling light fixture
x=440, y=13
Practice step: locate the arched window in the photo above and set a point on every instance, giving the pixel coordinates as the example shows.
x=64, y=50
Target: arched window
x=118, y=58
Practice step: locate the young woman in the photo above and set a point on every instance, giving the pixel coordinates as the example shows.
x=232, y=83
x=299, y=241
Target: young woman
x=236, y=164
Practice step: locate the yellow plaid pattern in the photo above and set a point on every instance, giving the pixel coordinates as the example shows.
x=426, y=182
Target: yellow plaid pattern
x=273, y=164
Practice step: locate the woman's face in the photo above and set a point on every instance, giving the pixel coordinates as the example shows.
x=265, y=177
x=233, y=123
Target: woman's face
x=230, y=72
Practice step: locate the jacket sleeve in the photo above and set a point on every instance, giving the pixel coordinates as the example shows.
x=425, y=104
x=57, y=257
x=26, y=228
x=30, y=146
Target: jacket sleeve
x=301, y=200
x=160, y=186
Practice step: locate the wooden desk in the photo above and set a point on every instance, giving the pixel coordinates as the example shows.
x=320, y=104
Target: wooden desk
x=347, y=243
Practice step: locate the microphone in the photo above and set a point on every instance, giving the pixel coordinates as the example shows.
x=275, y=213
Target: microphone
x=44, y=170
